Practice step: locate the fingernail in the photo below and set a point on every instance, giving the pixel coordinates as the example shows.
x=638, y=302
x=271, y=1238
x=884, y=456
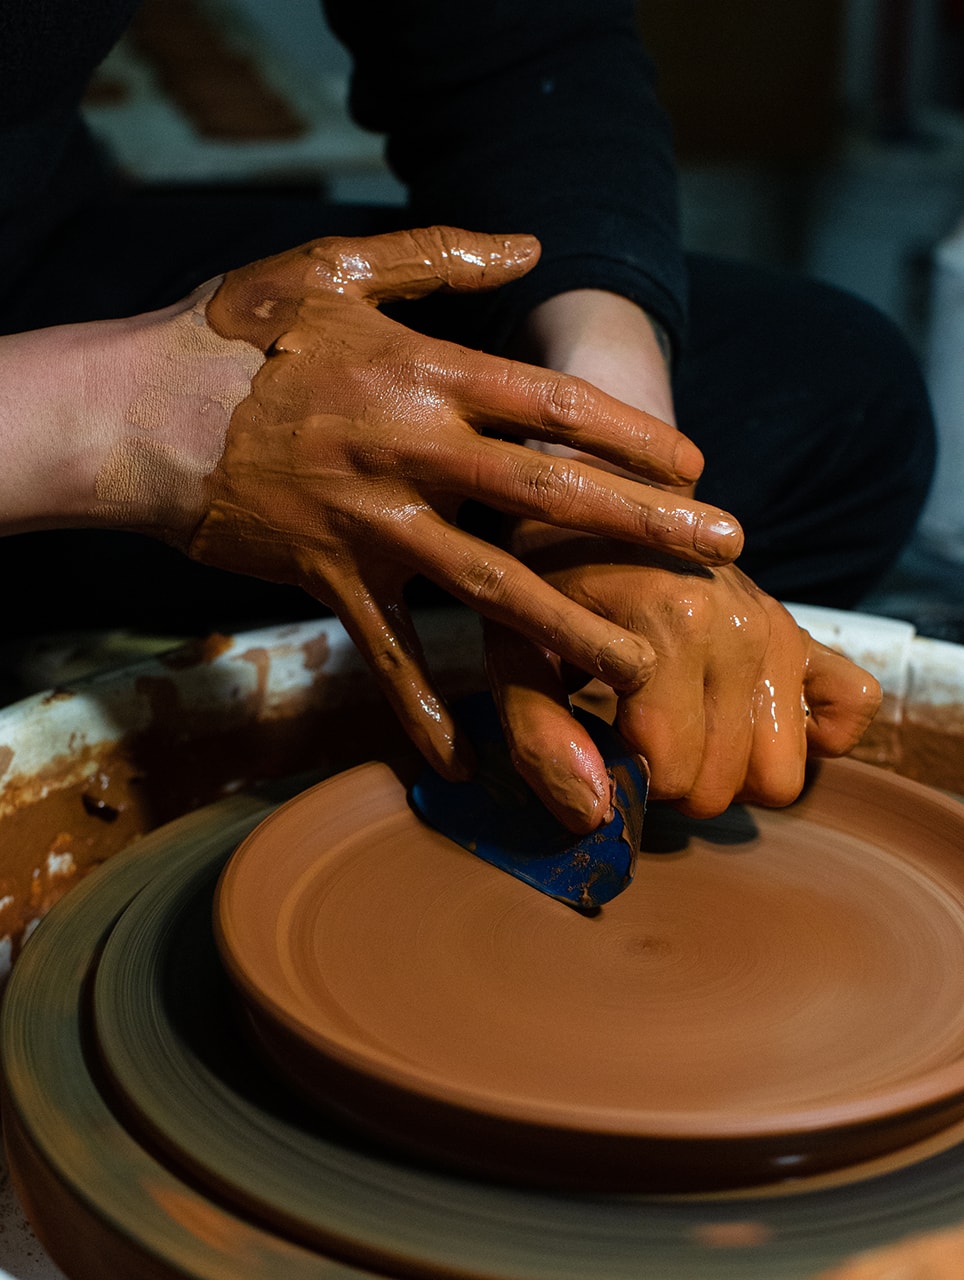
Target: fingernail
x=687, y=460
x=720, y=537
x=520, y=249
x=585, y=808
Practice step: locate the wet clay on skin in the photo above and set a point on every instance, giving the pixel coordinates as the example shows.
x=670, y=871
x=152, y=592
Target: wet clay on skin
x=345, y=467
x=738, y=695
x=780, y=983
x=189, y=381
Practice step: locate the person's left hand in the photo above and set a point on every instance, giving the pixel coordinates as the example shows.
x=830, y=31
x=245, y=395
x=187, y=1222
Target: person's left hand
x=740, y=695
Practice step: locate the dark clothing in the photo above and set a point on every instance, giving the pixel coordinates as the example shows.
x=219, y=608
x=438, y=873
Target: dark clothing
x=538, y=116
x=813, y=416
x=807, y=403
x=495, y=124
x=49, y=166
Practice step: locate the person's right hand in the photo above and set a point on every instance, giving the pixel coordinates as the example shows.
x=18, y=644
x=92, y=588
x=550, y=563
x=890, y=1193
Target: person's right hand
x=344, y=469
x=740, y=696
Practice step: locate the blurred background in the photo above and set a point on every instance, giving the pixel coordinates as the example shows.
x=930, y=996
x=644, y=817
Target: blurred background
x=826, y=137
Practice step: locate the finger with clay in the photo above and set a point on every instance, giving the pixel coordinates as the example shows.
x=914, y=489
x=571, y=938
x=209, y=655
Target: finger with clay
x=737, y=700
x=344, y=468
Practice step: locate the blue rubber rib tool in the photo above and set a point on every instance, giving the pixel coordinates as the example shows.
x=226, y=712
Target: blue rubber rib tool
x=497, y=816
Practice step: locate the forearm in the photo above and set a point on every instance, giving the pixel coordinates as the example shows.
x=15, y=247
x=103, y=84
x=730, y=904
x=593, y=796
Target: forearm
x=47, y=466
x=116, y=423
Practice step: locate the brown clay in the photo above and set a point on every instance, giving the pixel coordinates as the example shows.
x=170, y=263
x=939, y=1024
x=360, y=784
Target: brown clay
x=58, y=823
x=738, y=697
x=938, y=1255
x=344, y=468
x=780, y=995
x=927, y=745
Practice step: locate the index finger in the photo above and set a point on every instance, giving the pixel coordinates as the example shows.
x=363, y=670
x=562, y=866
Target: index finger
x=525, y=401
x=573, y=494
x=549, y=748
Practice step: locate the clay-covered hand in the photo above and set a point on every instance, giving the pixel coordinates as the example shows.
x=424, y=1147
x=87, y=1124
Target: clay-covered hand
x=738, y=698
x=344, y=469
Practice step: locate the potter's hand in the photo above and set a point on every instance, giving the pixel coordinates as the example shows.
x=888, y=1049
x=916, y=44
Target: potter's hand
x=343, y=470
x=739, y=695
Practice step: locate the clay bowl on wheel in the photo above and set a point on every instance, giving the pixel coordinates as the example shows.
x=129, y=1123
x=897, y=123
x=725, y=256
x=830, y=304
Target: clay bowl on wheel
x=779, y=992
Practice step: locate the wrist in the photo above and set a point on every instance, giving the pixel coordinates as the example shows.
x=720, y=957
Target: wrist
x=159, y=391
x=608, y=341
x=117, y=423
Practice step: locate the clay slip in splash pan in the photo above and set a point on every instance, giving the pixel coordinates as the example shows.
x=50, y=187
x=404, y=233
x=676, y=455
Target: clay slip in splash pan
x=779, y=992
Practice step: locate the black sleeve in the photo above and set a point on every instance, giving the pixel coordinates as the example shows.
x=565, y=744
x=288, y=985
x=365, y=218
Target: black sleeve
x=48, y=162
x=528, y=115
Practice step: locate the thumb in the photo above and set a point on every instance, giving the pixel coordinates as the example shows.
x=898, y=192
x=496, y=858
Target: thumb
x=412, y=264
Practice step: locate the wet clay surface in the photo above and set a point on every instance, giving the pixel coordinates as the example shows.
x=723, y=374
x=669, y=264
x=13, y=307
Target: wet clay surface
x=779, y=980
x=117, y=1194
x=59, y=823
x=113, y=1192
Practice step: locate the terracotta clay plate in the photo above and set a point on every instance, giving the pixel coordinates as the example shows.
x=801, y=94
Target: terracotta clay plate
x=186, y=1158
x=777, y=992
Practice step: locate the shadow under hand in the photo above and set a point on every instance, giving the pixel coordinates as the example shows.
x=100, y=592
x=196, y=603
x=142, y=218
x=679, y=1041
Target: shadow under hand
x=667, y=831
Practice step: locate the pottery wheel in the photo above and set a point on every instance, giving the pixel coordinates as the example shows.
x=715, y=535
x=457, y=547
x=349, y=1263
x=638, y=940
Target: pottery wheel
x=786, y=991
x=144, y=1133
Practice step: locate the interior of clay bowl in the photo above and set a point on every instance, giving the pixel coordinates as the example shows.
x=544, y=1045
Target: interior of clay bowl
x=776, y=989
